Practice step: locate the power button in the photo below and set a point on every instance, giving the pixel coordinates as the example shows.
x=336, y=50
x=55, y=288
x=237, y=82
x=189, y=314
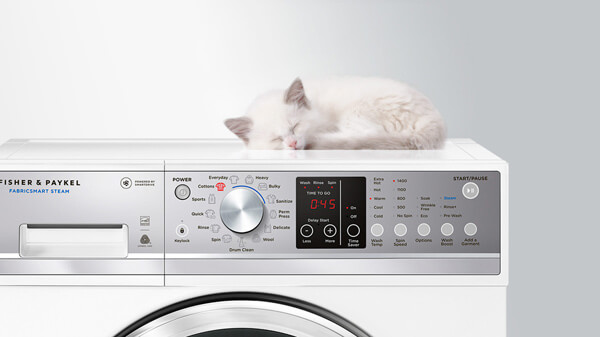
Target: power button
x=182, y=192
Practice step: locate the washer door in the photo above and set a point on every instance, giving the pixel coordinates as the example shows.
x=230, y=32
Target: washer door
x=241, y=333
x=242, y=315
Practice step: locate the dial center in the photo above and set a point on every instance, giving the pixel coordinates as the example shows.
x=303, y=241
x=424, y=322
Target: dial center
x=241, y=210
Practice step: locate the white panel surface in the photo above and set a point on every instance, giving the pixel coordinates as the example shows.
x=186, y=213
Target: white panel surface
x=381, y=311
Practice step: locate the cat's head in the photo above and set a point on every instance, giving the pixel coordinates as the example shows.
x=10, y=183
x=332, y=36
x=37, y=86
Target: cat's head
x=276, y=120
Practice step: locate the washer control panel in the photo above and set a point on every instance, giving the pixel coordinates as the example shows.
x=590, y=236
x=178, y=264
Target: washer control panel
x=291, y=212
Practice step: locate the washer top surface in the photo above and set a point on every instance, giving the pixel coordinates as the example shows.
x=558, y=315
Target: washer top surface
x=221, y=149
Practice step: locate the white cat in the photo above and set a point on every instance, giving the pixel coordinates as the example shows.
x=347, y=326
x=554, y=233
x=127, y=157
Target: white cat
x=342, y=113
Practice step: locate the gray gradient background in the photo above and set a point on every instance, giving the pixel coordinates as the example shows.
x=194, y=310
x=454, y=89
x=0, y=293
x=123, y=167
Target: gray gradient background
x=520, y=77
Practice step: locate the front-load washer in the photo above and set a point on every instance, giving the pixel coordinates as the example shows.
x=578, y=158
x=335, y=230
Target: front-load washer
x=203, y=238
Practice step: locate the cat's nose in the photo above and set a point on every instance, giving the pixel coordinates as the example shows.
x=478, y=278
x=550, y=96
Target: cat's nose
x=293, y=144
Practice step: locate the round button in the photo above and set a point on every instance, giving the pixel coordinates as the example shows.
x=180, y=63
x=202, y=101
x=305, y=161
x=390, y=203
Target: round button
x=470, y=229
x=353, y=230
x=306, y=230
x=241, y=210
x=377, y=230
x=470, y=190
x=400, y=229
x=447, y=229
x=181, y=230
x=330, y=230
x=182, y=192
x=424, y=229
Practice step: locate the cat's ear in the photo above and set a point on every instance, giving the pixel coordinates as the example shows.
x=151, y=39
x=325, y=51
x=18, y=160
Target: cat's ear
x=241, y=126
x=295, y=95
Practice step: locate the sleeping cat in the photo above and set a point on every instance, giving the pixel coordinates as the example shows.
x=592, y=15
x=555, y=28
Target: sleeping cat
x=341, y=113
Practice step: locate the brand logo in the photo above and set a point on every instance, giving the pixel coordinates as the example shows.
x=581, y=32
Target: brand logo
x=126, y=183
x=40, y=182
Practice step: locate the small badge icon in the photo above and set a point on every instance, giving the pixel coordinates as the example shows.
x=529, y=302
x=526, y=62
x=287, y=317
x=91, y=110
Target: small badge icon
x=220, y=187
x=144, y=221
x=126, y=183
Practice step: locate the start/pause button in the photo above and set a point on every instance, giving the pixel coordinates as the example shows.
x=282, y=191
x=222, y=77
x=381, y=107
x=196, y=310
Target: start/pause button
x=470, y=190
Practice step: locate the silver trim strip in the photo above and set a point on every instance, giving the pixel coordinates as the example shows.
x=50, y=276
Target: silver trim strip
x=482, y=266
x=146, y=256
x=149, y=256
x=81, y=267
x=83, y=280
x=332, y=255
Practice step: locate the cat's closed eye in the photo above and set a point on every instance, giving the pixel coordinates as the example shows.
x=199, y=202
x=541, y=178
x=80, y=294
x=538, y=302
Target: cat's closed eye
x=278, y=139
x=293, y=129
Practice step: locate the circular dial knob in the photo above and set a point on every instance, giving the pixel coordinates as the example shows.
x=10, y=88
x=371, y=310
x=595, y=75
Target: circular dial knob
x=241, y=210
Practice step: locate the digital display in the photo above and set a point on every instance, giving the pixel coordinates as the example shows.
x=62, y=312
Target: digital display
x=322, y=203
x=330, y=212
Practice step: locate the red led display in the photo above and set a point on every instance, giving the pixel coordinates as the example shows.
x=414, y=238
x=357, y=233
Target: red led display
x=322, y=204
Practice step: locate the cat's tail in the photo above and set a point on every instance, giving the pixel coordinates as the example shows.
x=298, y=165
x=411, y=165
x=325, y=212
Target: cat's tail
x=364, y=143
x=430, y=138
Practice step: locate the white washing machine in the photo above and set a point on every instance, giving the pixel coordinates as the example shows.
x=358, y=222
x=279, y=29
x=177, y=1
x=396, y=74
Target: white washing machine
x=205, y=239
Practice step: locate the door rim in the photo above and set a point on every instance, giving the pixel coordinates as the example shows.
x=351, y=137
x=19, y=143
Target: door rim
x=184, y=307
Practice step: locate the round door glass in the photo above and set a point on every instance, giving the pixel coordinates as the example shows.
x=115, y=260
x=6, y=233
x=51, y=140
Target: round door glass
x=241, y=333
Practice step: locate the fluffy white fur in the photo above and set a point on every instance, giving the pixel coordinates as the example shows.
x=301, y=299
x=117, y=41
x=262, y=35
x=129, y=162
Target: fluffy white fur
x=342, y=113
